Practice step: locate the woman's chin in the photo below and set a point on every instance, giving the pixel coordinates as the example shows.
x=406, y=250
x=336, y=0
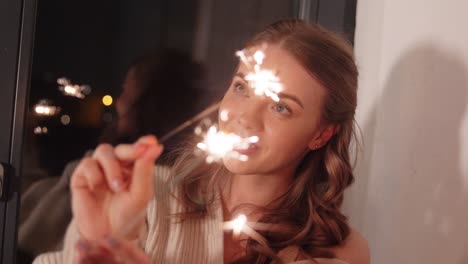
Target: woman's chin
x=237, y=166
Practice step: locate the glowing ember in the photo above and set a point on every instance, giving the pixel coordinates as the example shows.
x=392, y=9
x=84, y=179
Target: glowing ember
x=258, y=57
x=224, y=115
x=218, y=144
x=263, y=81
x=69, y=89
x=44, y=108
x=238, y=224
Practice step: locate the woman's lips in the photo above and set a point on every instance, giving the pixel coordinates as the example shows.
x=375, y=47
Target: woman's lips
x=247, y=151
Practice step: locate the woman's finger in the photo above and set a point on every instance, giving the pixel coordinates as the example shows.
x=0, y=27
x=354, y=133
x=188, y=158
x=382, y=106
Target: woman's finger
x=88, y=175
x=131, y=152
x=148, y=140
x=142, y=177
x=104, y=154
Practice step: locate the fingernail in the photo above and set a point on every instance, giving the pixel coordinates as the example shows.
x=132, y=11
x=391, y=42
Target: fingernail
x=140, y=148
x=116, y=185
x=112, y=242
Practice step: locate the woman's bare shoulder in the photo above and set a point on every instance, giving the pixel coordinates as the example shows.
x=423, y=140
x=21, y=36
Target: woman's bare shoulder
x=354, y=250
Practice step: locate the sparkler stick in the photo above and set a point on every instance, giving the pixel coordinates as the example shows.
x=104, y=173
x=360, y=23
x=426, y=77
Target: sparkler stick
x=264, y=226
x=190, y=122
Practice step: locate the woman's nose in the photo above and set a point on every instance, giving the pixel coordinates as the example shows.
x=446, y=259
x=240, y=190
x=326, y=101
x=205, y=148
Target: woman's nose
x=249, y=118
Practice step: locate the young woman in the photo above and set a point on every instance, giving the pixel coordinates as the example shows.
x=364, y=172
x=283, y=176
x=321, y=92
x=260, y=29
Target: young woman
x=293, y=180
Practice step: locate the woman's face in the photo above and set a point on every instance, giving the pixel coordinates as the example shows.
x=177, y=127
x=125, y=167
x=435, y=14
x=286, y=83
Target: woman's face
x=287, y=129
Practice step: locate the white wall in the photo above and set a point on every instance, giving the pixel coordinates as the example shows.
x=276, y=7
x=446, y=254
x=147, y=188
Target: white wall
x=410, y=199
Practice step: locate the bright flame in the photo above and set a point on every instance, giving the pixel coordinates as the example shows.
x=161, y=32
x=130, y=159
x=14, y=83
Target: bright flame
x=107, y=100
x=264, y=82
x=258, y=57
x=238, y=224
x=218, y=144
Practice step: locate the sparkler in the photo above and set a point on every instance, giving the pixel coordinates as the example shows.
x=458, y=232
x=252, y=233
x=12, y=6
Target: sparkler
x=191, y=121
x=45, y=108
x=70, y=89
x=218, y=144
x=264, y=82
x=240, y=225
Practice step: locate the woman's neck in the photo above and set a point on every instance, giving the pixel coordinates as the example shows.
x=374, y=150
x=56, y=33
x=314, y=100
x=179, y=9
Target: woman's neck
x=255, y=189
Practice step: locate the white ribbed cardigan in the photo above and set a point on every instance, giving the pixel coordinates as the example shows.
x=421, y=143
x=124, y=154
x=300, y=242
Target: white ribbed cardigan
x=194, y=241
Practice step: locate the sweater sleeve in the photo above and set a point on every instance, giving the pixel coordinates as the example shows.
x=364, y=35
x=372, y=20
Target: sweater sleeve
x=67, y=254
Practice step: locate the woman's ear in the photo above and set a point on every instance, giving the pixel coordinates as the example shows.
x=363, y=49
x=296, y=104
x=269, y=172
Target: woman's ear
x=325, y=135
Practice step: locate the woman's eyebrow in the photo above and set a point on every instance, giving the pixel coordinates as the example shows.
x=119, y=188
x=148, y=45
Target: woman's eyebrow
x=291, y=97
x=241, y=75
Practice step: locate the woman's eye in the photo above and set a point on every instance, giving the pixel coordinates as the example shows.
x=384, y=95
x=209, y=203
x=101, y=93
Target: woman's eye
x=282, y=109
x=239, y=88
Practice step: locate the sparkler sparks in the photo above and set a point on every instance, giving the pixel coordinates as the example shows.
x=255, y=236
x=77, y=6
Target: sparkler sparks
x=218, y=144
x=224, y=115
x=44, y=108
x=69, y=89
x=237, y=225
x=263, y=81
x=240, y=225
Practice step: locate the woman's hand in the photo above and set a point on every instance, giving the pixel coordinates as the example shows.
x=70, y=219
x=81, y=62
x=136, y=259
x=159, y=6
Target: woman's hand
x=113, y=187
x=109, y=250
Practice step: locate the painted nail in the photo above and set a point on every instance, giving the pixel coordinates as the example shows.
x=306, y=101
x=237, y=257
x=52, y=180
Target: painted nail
x=116, y=185
x=140, y=148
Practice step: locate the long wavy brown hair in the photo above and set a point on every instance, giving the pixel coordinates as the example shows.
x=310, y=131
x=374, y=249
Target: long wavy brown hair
x=309, y=211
